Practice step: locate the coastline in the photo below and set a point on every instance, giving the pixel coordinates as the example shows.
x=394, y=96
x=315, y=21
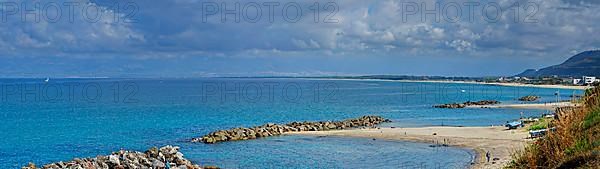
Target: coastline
x=504, y=84
x=465, y=82
x=459, y=140
x=541, y=86
x=501, y=143
x=543, y=106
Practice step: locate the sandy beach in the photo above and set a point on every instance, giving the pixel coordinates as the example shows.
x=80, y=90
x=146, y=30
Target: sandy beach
x=504, y=84
x=540, y=86
x=545, y=106
x=466, y=82
x=497, y=140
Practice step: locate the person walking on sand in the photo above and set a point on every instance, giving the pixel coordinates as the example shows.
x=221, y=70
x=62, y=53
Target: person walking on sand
x=487, y=155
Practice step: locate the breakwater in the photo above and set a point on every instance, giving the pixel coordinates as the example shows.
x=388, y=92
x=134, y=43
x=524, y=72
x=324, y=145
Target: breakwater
x=152, y=158
x=529, y=98
x=272, y=129
x=465, y=104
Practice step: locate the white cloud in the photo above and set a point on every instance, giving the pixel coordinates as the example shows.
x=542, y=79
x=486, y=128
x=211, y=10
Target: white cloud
x=63, y=37
x=460, y=45
x=562, y=26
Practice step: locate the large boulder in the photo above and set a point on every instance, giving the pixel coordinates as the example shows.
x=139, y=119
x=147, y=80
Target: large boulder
x=152, y=158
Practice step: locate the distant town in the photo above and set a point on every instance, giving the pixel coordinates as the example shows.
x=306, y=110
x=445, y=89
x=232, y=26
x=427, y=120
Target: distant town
x=553, y=80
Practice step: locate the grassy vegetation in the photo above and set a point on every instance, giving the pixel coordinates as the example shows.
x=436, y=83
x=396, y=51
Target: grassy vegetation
x=592, y=119
x=574, y=144
x=542, y=124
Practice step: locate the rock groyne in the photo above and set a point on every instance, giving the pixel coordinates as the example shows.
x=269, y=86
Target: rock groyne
x=465, y=104
x=153, y=158
x=272, y=129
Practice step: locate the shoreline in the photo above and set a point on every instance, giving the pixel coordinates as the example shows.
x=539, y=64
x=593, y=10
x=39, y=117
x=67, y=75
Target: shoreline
x=465, y=82
x=501, y=143
x=503, y=84
x=541, y=86
x=543, y=106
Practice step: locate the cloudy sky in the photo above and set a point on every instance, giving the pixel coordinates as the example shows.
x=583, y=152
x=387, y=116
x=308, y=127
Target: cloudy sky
x=189, y=38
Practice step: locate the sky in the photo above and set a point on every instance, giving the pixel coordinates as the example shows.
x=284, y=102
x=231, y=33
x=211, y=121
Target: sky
x=199, y=38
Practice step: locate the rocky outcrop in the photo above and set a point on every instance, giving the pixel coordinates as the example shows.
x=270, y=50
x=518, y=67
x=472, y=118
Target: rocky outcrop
x=465, y=104
x=529, y=98
x=451, y=106
x=154, y=158
x=272, y=129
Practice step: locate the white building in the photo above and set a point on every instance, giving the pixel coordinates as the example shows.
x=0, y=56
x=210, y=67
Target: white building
x=589, y=79
x=576, y=81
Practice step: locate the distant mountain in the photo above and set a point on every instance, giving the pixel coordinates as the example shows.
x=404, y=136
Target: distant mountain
x=583, y=64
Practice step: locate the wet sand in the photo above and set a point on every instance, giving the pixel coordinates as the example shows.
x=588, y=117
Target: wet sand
x=501, y=143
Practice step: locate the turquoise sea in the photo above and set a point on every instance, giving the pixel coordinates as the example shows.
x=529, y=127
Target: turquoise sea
x=62, y=119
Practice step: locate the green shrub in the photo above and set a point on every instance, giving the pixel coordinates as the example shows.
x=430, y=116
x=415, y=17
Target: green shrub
x=591, y=119
x=574, y=144
x=581, y=145
x=542, y=124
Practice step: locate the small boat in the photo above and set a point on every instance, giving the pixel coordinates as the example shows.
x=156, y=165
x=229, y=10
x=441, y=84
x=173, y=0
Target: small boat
x=540, y=133
x=514, y=125
x=47, y=80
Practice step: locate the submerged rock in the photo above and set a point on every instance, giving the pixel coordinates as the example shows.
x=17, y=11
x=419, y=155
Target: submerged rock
x=271, y=129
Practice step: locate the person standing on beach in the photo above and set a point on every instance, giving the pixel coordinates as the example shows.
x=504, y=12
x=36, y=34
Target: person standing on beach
x=521, y=115
x=487, y=155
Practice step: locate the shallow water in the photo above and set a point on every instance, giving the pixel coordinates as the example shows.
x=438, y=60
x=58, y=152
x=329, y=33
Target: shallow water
x=330, y=152
x=67, y=118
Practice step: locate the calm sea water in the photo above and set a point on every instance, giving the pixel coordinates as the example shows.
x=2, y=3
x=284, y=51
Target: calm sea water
x=66, y=118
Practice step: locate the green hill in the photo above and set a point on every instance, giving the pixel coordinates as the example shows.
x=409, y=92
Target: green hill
x=583, y=64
